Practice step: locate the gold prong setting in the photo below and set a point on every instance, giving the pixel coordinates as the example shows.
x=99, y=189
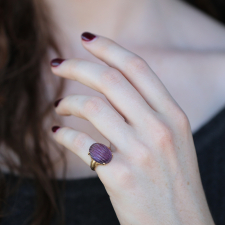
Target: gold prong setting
x=100, y=155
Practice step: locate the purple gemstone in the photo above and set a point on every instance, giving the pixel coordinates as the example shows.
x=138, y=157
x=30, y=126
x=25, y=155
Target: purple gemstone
x=100, y=153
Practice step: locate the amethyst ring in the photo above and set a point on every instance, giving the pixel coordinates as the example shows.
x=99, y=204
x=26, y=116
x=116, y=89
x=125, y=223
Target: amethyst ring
x=100, y=155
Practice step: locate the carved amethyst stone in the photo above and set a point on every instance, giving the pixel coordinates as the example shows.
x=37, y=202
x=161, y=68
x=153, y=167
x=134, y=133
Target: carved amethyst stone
x=100, y=153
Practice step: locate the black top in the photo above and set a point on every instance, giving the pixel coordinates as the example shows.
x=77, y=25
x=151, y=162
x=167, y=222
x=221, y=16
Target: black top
x=86, y=200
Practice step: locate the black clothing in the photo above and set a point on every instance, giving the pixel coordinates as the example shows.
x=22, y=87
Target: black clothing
x=86, y=201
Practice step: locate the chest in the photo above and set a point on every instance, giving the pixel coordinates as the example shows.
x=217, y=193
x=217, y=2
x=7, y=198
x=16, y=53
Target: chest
x=195, y=80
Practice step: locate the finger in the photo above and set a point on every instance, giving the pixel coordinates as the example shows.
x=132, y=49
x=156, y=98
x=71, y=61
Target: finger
x=110, y=82
x=135, y=69
x=78, y=142
x=106, y=120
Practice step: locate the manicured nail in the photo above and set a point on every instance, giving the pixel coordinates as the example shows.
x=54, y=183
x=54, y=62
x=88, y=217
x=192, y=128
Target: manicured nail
x=55, y=128
x=56, y=62
x=86, y=36
x=57, y=102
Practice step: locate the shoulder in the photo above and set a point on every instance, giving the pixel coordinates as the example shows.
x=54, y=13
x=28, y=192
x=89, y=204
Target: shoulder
x=197, y=30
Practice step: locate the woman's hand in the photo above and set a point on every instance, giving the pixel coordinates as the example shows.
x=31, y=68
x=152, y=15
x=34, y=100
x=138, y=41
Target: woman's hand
x=153, y=177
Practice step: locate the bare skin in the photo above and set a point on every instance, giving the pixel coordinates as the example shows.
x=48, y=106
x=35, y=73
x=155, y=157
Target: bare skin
x=183, y=46
x=186, y=50
x=153, y=177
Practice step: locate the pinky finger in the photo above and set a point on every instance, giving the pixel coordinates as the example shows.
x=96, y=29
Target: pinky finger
x=76, y=141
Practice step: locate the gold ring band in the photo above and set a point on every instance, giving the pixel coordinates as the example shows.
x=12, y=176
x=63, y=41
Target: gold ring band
x=94, y=164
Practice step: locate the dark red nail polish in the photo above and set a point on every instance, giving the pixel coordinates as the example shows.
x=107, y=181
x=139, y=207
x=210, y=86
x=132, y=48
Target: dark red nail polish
x=57, y=102
x=86, y=36
x=55, y=128
x=56, y=62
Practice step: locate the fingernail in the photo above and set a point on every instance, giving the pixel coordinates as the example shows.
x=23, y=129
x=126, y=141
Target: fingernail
x=55, y=128
x=86, y=36
x=56, y=62
x=57, y=102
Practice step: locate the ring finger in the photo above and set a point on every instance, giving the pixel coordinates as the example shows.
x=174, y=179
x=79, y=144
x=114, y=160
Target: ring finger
x=78, y=142
x=108, y=121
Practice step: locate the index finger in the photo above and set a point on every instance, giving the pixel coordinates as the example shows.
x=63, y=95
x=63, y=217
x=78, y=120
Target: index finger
x=134, y=68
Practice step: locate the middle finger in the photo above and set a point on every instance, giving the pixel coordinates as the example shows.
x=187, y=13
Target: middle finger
x=110, y=82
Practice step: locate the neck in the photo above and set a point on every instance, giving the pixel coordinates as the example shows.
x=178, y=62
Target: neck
x=140, y=21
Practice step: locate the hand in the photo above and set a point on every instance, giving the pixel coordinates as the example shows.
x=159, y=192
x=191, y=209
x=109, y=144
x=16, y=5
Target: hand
x=153, y=177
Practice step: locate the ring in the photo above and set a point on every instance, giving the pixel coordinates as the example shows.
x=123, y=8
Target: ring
x=100, y=155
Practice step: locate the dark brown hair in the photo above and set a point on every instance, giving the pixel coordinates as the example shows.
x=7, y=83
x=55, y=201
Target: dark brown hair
x=215, y=8
x=24, y=39
x=25, y=36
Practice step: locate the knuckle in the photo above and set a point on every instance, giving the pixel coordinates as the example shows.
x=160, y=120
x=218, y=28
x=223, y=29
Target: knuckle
x=104, y=49
x=106, y=46
x=124, y=177
x=110, y=77
x=179, y=120
x=182, y=121
x=163, y=135
x=141, y=156
x=93, y=105
x=136, y=64
x=80, y=140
